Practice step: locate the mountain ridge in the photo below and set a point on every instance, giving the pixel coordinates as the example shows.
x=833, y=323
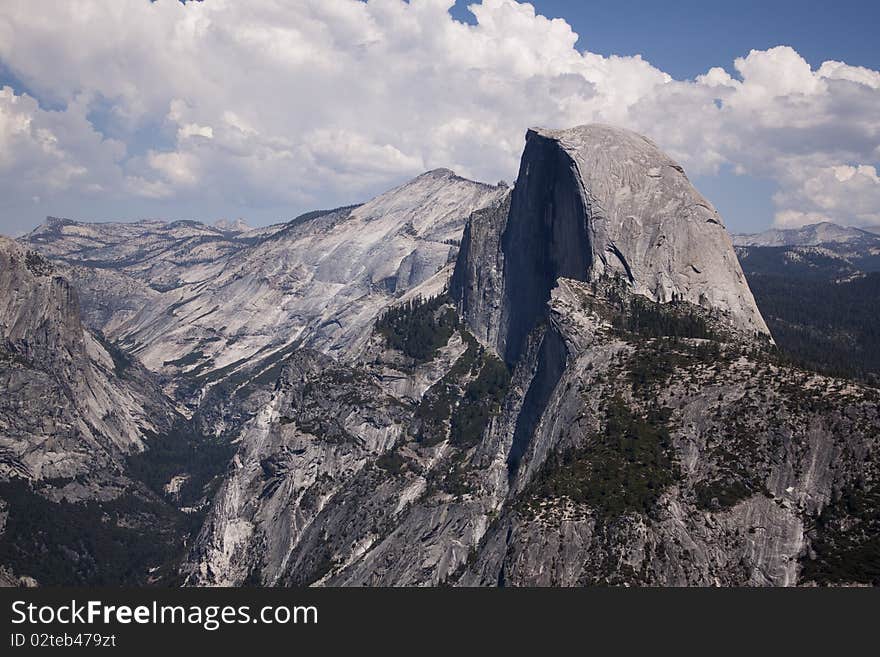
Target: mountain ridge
x=825, y=232
x=452, y=381
x=194, y=272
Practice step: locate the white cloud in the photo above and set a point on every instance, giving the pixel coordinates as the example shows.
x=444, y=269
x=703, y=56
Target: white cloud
x=46, y=152
x=178, y=113
x=829, y=193
x=176, y=168
x=324, y=101
x=188, y=130
x=841, y=71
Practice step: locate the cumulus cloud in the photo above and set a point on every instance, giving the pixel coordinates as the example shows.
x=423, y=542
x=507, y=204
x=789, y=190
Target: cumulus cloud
x=46, y=152
x=828, y=193
x=320, y=102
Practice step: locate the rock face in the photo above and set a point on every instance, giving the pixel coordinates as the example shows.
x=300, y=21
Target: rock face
x=230, y=226
x=343, y=478
x=743, y=457
x=153, y=252
x=65, y=411
x=478, y=280
x=85, y=438
x=594, y=201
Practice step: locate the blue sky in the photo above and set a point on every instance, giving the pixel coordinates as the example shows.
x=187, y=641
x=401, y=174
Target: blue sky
x=264, y=110
x=685, y=38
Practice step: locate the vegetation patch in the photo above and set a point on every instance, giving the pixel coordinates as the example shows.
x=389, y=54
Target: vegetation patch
x=420, y=327
x=121, y=360
x=435, y=408
x=653, y=362
x=392, y=462
x=461, y=404
x=846, y=546
x=622, y=470
x=190, y=359
x=13, y=358
x=125, y=542
x=451, y=477
x=182, y=450
x=821, y=310
x=481, y=400
x=37, y=264
x=722, y=493
x=652, y=319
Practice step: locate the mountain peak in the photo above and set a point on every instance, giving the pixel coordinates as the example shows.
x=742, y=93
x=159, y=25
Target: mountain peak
x=595, y=201
x=53, y=224
x=444, y=174
x=441, y=172
x=434, y=204
x=232, y=226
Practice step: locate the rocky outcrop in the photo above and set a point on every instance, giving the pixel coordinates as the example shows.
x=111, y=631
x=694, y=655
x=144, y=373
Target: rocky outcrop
x=310, y=466
x=755, y=454
x=339, y=482
x=66, y=409
x=74, y=412
x=595, y=201
x=478, y=280
x=576, y=279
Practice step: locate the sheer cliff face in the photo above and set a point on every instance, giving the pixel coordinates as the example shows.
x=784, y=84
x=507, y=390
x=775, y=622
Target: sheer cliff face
x=647, y=222
x=337, y=481
x=64, y=410
x=38, y=308
x=596, y=201
x=546, y=237
x=478, y=280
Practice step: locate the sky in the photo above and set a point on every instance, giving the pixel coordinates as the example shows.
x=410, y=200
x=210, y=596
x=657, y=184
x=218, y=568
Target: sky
x=262, y=110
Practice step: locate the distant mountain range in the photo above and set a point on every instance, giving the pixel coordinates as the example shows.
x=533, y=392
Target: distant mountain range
x=564, y=383
x=811, y=235
x=819, y=290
